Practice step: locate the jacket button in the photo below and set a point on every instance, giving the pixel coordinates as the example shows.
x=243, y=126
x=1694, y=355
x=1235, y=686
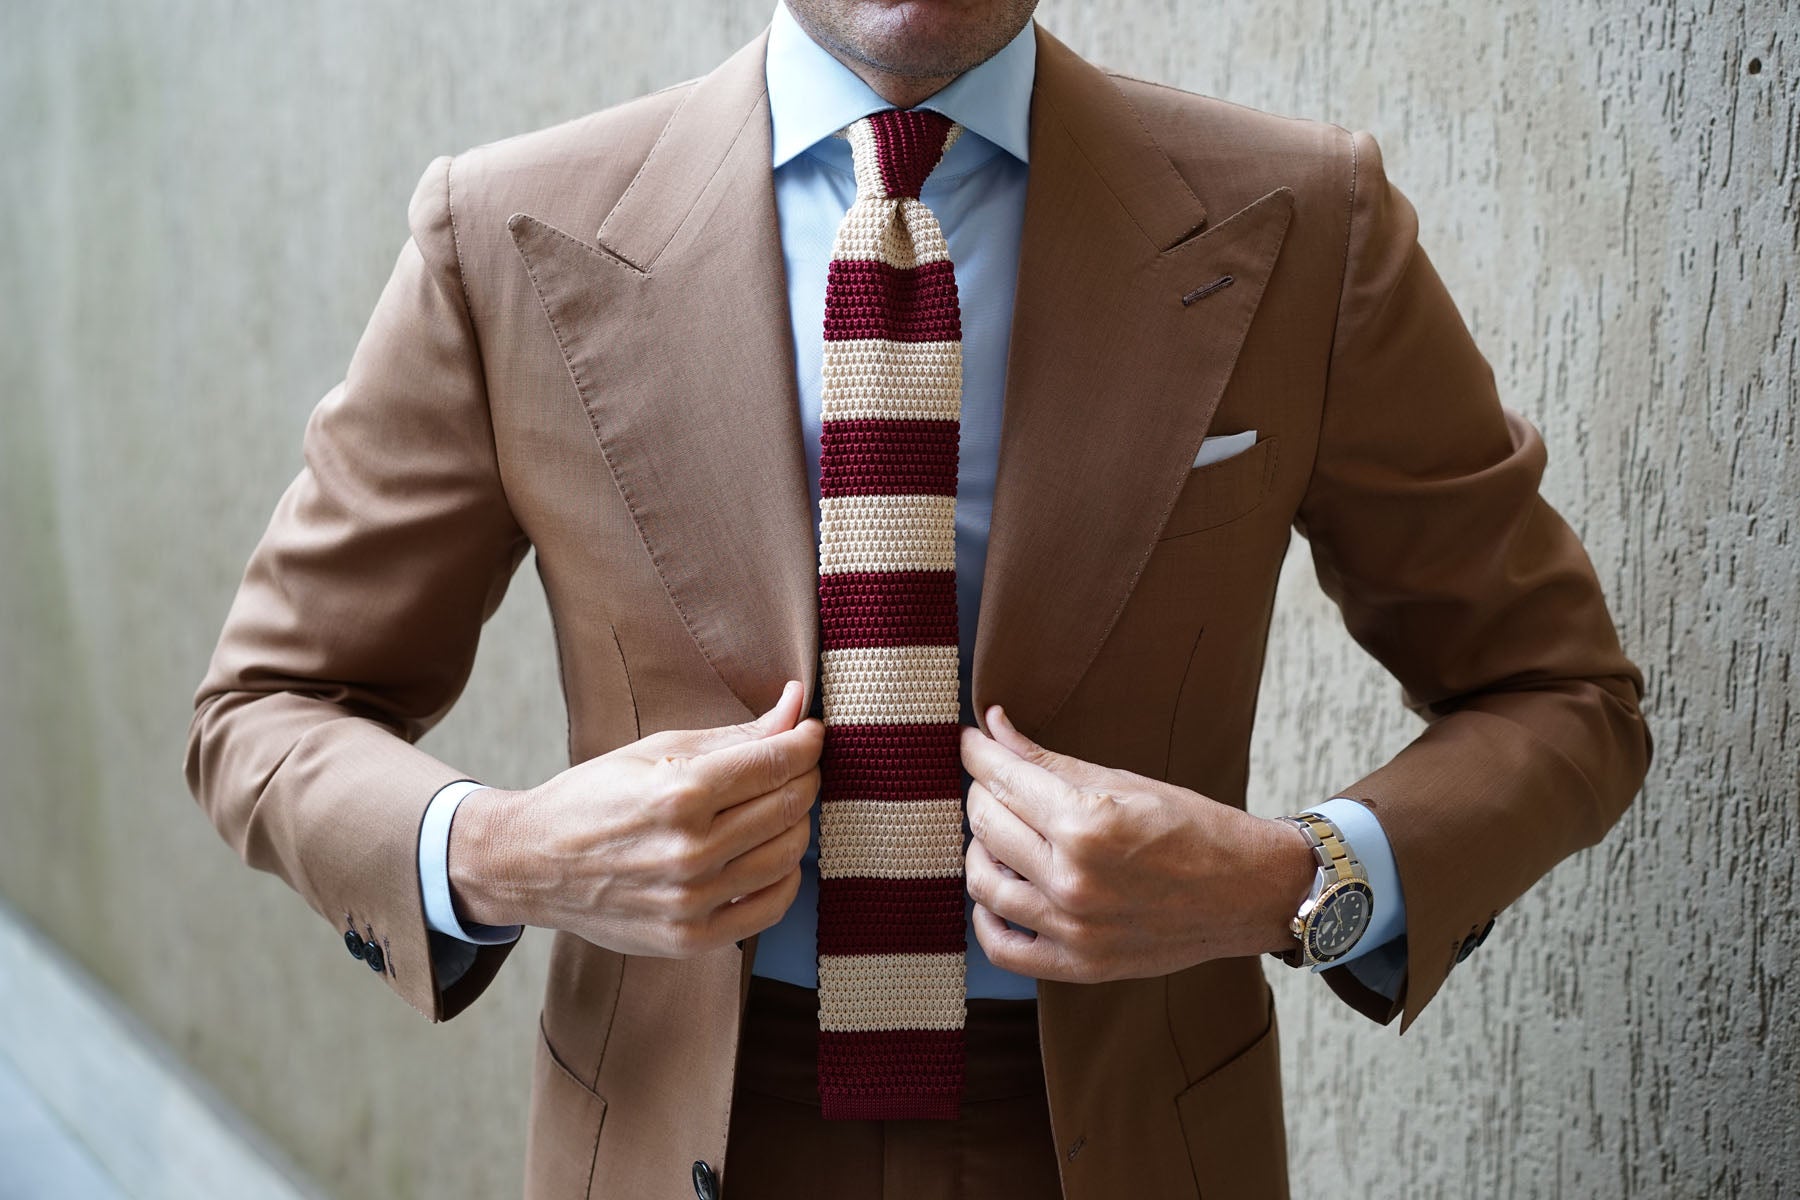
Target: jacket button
x=706, y=1184
x=1474, y=940
x=377, y=962
x=354, y=944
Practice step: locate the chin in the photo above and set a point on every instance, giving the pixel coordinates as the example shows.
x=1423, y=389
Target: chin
x=920, y=38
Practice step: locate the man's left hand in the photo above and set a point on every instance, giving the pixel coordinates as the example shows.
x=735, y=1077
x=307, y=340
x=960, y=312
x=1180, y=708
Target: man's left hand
x=1116, y=875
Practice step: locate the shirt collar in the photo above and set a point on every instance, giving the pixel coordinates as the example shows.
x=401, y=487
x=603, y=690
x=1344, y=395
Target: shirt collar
x=812, y=95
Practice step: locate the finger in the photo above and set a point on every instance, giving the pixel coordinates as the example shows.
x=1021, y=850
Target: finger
x=755, y=912
x=735, y=773
x=1011, y=899
x=759, y=866
x=784, y=714
x=1009, y=949
x=760, y=819
x=691, y=743
x=1067, y=767
x=1002, y=833
x=1036, y=795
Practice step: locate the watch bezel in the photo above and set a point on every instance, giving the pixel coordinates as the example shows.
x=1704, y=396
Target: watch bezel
x=1332, y=893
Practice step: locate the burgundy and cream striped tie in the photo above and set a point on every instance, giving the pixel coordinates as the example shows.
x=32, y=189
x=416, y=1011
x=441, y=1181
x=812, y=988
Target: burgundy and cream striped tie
x=892, y=969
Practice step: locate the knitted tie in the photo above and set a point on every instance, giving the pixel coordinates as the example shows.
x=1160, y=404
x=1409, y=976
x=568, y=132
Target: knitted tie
x=892, y=970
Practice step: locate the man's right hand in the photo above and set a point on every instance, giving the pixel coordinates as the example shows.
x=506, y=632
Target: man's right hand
x=674, y=845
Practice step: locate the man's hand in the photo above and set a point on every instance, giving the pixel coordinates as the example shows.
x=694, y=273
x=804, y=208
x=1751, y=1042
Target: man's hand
x=674, y=845
x=1119, y=875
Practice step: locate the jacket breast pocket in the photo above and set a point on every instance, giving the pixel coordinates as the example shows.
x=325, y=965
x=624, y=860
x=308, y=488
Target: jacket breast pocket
x=1221, y=492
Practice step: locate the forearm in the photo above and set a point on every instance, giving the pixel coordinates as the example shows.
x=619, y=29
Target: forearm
x=355, y=623
x=291, y=783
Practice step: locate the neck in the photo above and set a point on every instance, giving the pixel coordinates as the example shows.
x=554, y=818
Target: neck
x=902, y=91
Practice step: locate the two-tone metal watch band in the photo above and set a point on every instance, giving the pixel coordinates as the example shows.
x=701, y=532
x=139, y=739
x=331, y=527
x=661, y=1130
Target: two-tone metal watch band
x=1337, y=864
x=1329, y=847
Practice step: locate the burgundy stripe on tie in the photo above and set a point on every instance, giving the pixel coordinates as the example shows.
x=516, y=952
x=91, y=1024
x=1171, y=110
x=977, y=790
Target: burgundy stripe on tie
x=891, y=916
x=869, y=299
x=891, y=608
x=890, y=762
x=928, y=1064
x=875, y=456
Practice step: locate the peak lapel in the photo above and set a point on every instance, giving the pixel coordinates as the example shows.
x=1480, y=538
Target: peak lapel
x=674, y=325
x=1111, y=378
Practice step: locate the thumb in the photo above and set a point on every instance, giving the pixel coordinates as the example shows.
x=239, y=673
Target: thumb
x=691, y=743
x=783, y=715
x=1003, y=731
x=1008, y=735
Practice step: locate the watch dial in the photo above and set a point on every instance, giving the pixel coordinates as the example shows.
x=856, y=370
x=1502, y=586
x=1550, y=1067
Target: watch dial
x=1340, y=919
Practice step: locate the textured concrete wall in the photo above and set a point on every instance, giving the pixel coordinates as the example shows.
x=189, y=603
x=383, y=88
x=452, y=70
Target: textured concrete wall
x=201, y=201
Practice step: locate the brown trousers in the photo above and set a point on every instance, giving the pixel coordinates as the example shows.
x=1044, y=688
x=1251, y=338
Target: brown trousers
x=780, y=1147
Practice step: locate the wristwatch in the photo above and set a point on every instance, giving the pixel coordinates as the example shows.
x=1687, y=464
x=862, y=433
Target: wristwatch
x=1337, y=910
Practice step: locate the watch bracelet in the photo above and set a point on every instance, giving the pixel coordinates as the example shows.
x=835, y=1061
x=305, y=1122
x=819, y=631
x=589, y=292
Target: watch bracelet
x=1341, y=866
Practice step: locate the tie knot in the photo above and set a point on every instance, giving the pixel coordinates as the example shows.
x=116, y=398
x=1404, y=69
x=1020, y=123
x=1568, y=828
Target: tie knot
x=896, y=149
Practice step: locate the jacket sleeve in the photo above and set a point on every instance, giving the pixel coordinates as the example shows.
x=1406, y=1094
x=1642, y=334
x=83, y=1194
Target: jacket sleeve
x=1427, y=530
x=355, y=625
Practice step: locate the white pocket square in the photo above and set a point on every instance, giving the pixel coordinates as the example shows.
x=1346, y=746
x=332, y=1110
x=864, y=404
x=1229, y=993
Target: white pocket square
x=1223, y=446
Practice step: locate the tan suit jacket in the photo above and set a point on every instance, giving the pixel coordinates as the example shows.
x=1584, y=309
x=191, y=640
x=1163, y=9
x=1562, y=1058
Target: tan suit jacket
x=585, y=349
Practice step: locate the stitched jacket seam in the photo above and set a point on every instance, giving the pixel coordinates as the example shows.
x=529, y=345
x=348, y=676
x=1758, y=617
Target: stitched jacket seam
x=1337, y=320
x=462, y=287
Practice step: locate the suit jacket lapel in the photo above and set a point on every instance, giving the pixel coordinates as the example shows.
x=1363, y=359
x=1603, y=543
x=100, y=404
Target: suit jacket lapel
x=674, y=323
x=1111, y=378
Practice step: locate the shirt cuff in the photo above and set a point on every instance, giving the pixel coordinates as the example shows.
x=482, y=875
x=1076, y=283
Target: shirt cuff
x=1383, y=944
x=434, y=871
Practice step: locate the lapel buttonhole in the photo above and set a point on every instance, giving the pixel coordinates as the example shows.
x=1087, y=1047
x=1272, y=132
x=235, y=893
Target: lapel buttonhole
x=1201, y=293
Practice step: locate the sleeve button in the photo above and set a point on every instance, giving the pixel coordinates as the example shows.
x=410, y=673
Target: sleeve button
x=354, y=944
x=376, y=960
x=706, y=1184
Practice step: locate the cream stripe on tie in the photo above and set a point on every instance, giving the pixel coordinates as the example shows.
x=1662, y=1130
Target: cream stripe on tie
x=889, y=685
x=921, y=841
x=879, y=378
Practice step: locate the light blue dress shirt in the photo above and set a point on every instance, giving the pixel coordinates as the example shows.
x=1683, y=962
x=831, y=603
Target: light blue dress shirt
x=978, y=195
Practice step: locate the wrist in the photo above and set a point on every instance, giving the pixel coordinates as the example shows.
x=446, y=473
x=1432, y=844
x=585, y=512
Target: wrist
x=476, y=863
x=1289, y=870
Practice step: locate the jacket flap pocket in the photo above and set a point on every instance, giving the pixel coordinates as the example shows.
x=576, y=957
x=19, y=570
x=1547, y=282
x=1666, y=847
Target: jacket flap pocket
x=1223, y=491
x=1232, y=1120
x=563, y=1133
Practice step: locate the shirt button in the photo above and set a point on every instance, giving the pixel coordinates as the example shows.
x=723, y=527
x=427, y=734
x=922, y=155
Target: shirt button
x=354, y=944
x=377, y=963
x=706, y=1184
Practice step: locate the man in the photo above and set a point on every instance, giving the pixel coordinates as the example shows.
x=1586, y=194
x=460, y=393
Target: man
x=1178, y=329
